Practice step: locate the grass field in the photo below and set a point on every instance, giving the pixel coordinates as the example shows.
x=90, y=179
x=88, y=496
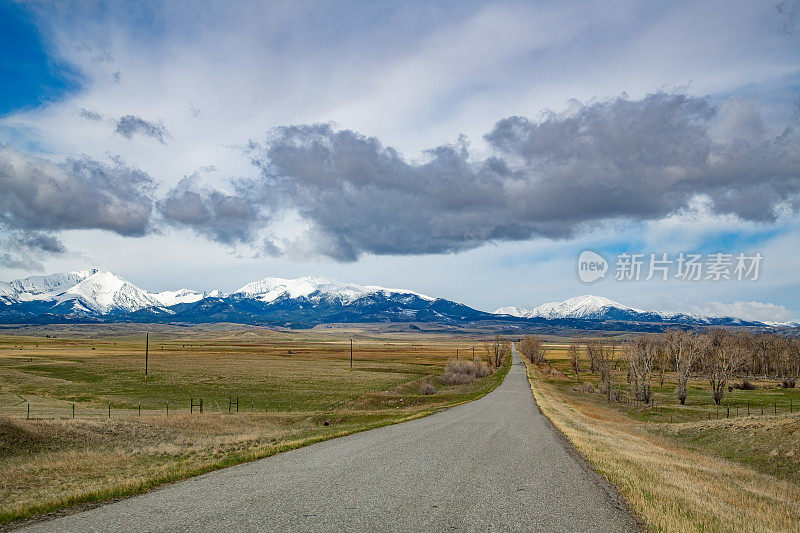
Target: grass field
x=678, y=470
x=294, y=388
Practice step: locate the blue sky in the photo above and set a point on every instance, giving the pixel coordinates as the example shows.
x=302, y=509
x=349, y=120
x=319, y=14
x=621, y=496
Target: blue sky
x=144, y=138
x=32, y=77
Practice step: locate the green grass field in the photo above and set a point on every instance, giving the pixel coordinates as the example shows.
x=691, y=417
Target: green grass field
x=294, y=388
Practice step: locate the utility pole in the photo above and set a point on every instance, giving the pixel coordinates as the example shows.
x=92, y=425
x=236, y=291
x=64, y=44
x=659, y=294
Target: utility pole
x=351, y=354
x=146, y=353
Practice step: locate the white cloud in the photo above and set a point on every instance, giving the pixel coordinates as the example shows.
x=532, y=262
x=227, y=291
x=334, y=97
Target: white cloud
x=759, y=311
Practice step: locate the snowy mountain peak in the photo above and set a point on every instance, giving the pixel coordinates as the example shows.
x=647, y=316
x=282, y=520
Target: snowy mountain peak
x=42, y=287
x=519, y=312
x=181, y=296
x=104, y=292
x=586, y=306
x=271, y=289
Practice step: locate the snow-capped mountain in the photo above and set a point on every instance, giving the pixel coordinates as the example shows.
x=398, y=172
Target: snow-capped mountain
x=181, y=296
x=97, y=296
x=105, y=292
x=314, y=288
x=589, y=307
x=41, y=287
x=301, y=302
x=83, y=293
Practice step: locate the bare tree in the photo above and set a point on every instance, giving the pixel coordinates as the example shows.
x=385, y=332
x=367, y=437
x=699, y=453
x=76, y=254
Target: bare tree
x=574, y=352
x=532, y=348
x=641, y=357
x=724, y=353
x=492, y=347
x=503, y=351
x=687, y=349
x=592, y=347
x=788, y=351
x=602, y=357
x=497, y=350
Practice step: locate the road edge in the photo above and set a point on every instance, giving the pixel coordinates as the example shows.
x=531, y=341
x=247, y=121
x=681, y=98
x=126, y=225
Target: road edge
x=610, y=490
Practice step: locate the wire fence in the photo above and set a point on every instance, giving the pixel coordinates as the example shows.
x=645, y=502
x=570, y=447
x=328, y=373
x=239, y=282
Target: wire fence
x=37, y=408
x=40, y=408
x=684, y=413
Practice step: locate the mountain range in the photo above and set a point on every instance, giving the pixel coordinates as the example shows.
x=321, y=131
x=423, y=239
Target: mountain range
x=590, y=307
x=98, y=296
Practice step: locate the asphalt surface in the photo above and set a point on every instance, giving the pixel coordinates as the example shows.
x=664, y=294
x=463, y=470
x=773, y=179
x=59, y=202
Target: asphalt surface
x=495, y=464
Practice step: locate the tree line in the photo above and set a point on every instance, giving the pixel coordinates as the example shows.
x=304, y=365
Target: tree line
x=716, y=355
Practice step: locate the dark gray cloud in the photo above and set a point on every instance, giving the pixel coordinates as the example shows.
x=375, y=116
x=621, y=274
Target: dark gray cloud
x=226, y=218
x=551, y=178
x=632, y=159
x=25, y=250
x=94, y=116
x=37, y=195
x=646, y=158
x=130, y=125
x=787, y=12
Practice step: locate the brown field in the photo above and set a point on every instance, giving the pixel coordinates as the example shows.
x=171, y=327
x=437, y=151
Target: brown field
x=293, y=388
x=678, y=470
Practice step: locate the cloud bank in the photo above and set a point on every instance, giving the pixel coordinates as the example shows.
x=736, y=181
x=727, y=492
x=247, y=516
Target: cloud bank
x=550, y=178
x=226, y=218
x=620, y=159
x=38, y=197
x=758, y=311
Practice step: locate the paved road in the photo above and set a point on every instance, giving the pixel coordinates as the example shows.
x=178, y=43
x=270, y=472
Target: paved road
x=495, y=464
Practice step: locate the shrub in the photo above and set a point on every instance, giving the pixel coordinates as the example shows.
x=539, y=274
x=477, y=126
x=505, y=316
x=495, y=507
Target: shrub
x=602, y=388
x=427, y=389
x=550, y=371
x=460, y=372
x=585, y=387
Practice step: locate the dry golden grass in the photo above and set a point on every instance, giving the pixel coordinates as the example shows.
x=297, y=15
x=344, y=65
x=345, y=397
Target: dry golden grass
x=670, y=487
x=303, y=379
